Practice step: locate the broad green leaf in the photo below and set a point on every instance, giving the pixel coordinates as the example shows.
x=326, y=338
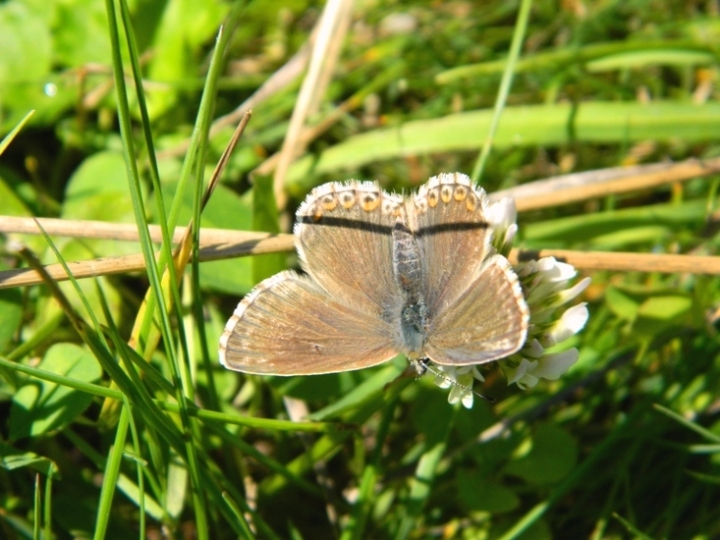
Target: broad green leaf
x=665, y=308
x=185, y=25
x=532, y=125
x=80, y=33
x=621, y=304
x=11, y=205
x=319, y=387
x=478, y=492
x=658, y=314
x=552, y=456
x=40, y=406
x=98, y=190
x=25, y=61
x=431, y=415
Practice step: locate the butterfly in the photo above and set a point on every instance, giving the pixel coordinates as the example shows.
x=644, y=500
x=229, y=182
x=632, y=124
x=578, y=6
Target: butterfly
x=383, y=275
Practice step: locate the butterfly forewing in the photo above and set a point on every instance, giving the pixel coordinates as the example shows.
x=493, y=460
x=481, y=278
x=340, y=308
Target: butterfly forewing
x=453, y=235
x=344, y=240
x=289, y=326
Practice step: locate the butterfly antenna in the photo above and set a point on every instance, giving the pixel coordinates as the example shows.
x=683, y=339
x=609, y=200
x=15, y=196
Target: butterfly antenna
x=423, y=366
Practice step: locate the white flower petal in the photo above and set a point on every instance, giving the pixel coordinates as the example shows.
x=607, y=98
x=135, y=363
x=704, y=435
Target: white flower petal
x=461, y=393
x=510, y=233
x=502, y=213
x=477, y=375
x=567, y=295
x=551, y=366
x=514, y=374
x=533, y=349
x=527, y=381
x=571, y=322
x=445, y=376
x=467, y=400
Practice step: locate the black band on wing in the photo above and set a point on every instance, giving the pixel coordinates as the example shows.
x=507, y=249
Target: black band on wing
x=452, y=227
x=347, y=223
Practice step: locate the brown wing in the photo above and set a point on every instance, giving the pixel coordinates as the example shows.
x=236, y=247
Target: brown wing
x=344, y=240
x=489, y=321
x=289, y=326
x=447, y=216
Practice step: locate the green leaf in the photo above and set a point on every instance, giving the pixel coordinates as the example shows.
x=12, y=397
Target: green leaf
x=185, y=25
x=552, y=456
x=639, y=59
x=586, y=227
x=665, y=308
x=98, y=190
x=621, y=304
x=12, y=205
x=11, y=312
x=26, y=45
x=225, y=210
x=80, y=33
x=40, y=406
x=12, y=458
x=479, y=492
x=528, y=126
x=658, y=314
x=266, y=219
x=431, y=415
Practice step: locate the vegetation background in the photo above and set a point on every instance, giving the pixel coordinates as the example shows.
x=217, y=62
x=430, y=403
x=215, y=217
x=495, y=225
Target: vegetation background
x=101, y=439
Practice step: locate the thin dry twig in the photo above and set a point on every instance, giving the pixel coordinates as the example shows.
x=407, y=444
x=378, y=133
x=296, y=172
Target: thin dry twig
x=330, y=24
x=540, y=193
x=578, y=187
x=222, y=244
x=258, y=243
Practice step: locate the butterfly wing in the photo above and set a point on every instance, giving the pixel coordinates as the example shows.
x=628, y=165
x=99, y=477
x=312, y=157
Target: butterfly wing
x=289, y=326
x=447, y=216
x=476, y=309
x=344, y=241
x=488, y=322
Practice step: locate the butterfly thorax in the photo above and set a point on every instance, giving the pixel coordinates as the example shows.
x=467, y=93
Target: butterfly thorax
x=407, y=270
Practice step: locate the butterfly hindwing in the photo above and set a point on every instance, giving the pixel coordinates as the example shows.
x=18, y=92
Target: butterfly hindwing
x=289, y=326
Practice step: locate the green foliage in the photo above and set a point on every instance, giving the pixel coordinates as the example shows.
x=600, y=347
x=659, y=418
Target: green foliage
x=41, y=406
x=119, y=404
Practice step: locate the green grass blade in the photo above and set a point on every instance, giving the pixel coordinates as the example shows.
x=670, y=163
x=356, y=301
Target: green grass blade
x=517, y=41
x=11, y=136
x=110, y=477
x=522, y=126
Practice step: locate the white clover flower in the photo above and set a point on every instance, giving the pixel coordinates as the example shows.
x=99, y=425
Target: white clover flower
x=546, y=287
x=501, y=217
x=460, y=381
x=521, y=375
x=569, y=324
